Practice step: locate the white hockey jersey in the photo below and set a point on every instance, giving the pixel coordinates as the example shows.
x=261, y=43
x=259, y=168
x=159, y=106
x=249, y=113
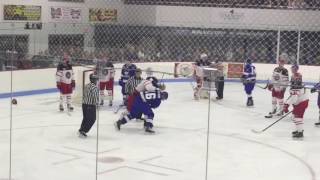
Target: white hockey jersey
x=280, y=78
x=297, y=96
x=64, y=73
x=105, y=70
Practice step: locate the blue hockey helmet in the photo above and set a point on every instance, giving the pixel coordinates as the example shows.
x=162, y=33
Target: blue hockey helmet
x=131, y=69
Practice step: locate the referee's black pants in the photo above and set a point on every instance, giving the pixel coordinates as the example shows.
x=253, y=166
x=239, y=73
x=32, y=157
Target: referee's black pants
x=89, y=117
x=220, y=87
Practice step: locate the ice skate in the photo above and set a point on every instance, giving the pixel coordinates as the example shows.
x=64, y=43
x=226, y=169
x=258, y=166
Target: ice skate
x=270, y=115
x=82, y=134
x=118, y=125
x=149, y=130
x=70, y=108
x=250, y=102
x=298, y=135
x=280, y=113
x=61, y=107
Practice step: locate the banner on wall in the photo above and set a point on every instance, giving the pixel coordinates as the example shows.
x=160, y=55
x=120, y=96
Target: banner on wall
x=65, y=14
x=102, y=15
x=22, y=12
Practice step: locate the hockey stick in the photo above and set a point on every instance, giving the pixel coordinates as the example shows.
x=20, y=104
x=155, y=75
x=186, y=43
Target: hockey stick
x=262, y=87
x=289, y=85
x=261, y=131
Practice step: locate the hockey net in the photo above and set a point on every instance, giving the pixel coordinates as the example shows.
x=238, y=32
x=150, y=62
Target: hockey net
x=186, y=69
x=82, y=78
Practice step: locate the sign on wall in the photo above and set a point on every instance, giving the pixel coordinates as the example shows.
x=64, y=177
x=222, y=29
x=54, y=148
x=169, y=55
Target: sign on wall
x=102, y=15
x=65, y=14
x=22, y=12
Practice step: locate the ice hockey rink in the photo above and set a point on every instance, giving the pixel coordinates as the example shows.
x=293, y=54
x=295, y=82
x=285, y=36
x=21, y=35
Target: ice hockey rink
x=45, y=145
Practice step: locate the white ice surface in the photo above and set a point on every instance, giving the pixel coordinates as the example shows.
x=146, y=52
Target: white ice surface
x=45, y=145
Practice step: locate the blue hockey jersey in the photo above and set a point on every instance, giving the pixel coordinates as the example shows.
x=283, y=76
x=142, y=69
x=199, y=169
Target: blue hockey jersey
x=249, y=72
x=128, y=70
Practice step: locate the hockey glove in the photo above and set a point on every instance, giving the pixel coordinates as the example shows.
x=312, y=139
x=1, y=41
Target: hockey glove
x=243, y=79
x=286, y=108
x=162, y=87
x=313, y=90
x=73, y=83
x=59, y=85
x=164, y=95
x=270, y=87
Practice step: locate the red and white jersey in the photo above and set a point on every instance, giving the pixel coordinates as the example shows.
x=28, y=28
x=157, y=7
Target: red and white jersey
x=145, y=85
x=64, y=73
x=106, y=74
x=105, y=70
x=198, y=71
x=280, y=78
x=297, y=96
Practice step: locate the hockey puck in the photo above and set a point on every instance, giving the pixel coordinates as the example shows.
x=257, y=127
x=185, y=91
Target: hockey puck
x=14, y=101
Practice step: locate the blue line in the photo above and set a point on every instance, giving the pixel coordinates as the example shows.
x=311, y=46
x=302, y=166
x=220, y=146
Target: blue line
x=54, y=90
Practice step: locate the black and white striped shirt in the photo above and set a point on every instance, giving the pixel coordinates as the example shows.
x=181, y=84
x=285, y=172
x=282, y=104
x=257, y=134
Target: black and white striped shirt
x=90, y=94
x=131, y=84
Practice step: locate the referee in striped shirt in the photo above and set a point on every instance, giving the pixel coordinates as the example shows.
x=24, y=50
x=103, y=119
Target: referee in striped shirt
x=90, y=101
x=133, y=82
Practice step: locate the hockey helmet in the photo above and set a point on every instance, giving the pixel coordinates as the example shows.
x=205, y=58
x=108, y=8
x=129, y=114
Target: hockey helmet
x=93, y=78
x=203, y=56
x=131, y=69
x=153, y=80
x=109, y=64
x=295, y=67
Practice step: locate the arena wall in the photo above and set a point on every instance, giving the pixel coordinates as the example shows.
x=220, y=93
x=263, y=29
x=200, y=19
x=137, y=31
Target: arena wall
x=178, y=16
x=42, y=79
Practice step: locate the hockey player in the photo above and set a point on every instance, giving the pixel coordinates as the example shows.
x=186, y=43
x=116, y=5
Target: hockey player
x=148, y=95
x=105, y=71
x=65, y=82
x=299, y=100
x=249, y=79
x=278, y=86
x=128, y=70
x=313, y=90
x=198, y=74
